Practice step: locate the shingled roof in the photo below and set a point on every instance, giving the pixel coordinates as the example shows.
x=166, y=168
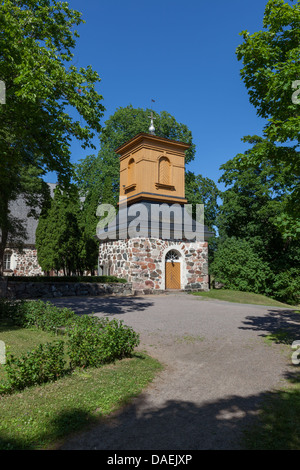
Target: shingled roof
x=20, y=209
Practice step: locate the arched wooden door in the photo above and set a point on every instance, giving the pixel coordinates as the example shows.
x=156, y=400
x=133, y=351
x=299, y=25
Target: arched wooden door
x=172, y=269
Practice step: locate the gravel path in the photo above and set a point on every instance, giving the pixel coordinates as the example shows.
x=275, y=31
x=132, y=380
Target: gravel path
x=217, y=370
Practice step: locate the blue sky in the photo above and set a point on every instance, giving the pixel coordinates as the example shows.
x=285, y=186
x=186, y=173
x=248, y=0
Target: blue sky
x=182, y=55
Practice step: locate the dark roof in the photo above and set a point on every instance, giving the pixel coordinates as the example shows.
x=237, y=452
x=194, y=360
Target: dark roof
x=20, y=209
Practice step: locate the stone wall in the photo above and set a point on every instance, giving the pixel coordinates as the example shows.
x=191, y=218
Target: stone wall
x=24, y=263
x=142, y=262
x=33, y=290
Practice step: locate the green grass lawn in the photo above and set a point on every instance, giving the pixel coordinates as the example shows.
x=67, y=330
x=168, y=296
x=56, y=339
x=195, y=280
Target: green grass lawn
x=40, y=416
x=278, y=427
x=241, y=297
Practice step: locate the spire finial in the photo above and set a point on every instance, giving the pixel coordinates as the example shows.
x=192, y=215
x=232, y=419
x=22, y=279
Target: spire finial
x=152, y=128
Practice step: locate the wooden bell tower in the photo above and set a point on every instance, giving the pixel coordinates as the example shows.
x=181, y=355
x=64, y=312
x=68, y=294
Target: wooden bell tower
x=152, y=169
x=135, y=245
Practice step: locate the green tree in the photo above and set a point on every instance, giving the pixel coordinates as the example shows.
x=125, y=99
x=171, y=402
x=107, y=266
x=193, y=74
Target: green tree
x=88, y=243
x=58, y=233
x=42, y=85
x=201, y=190
x=248, y=213
x=237, y=264
x=250, y=207
x=271, y=70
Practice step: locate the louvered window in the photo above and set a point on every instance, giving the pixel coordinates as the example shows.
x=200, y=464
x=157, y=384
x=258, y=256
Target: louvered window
x=131, y=171
x=164, y=171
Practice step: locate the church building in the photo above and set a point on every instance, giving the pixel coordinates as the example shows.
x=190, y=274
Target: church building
x=153, y=241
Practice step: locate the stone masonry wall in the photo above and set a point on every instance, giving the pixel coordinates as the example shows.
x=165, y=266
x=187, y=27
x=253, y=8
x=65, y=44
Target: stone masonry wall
x=36, y=290
x=24, y=263
x=142, y=262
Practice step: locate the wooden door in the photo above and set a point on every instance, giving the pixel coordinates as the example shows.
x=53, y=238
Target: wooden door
x=172, y=275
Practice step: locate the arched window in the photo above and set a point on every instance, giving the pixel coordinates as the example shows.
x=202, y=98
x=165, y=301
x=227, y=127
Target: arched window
x=172, y=255
x=131, y=172
x=164, y=170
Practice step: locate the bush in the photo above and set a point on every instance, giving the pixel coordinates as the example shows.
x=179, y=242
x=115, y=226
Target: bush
x=237, y=265
x=41, y=315
x=44, y=364
x=91, y=342
x=286, y=287
x=94, y=341
x=8, y=308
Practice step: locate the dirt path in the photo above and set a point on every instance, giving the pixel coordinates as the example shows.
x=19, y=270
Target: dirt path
x=217, y=369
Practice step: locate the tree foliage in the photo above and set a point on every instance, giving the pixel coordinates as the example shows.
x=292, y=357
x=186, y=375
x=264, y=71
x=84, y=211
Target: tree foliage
x=66, y=233
x=238, y=265
x=42, y=85
x=58, y=233
x=258, y=220
x=251, y=204
x=201, y=190
x=88, y=243
x=271, y=68
x=248, y=213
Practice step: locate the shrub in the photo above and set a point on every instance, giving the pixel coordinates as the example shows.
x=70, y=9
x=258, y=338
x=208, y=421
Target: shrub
x=237, y=265
x=7, y=308
x=94, y=341
x=44, y=364
x=286, y=287
x=91, y=342
x=42, y=315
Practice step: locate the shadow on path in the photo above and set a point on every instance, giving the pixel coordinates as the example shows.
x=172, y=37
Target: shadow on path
x=177, y=425
x=282, y=325
x=105, y=305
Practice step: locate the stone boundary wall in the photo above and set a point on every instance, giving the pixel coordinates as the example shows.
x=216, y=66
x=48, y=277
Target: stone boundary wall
x=34, y=290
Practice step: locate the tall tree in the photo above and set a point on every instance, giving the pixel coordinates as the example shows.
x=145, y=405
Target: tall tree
x=58, y=233
x=247, y=221
x=42, y=84
x=88, y=243
x=251, y=204
x=271, y=73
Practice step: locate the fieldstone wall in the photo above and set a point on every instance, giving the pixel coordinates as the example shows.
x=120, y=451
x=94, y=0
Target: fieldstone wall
x=24, y=263
x=142, y=262
x=33, y=290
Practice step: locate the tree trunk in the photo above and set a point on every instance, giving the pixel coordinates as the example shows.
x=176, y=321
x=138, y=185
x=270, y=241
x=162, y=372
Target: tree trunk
x=3, y=230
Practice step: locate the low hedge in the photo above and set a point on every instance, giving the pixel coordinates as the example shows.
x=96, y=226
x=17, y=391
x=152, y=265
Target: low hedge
x=99, y=279
x=90, y=342
x=37, y=314
x=44, y=364
x=94, y=341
